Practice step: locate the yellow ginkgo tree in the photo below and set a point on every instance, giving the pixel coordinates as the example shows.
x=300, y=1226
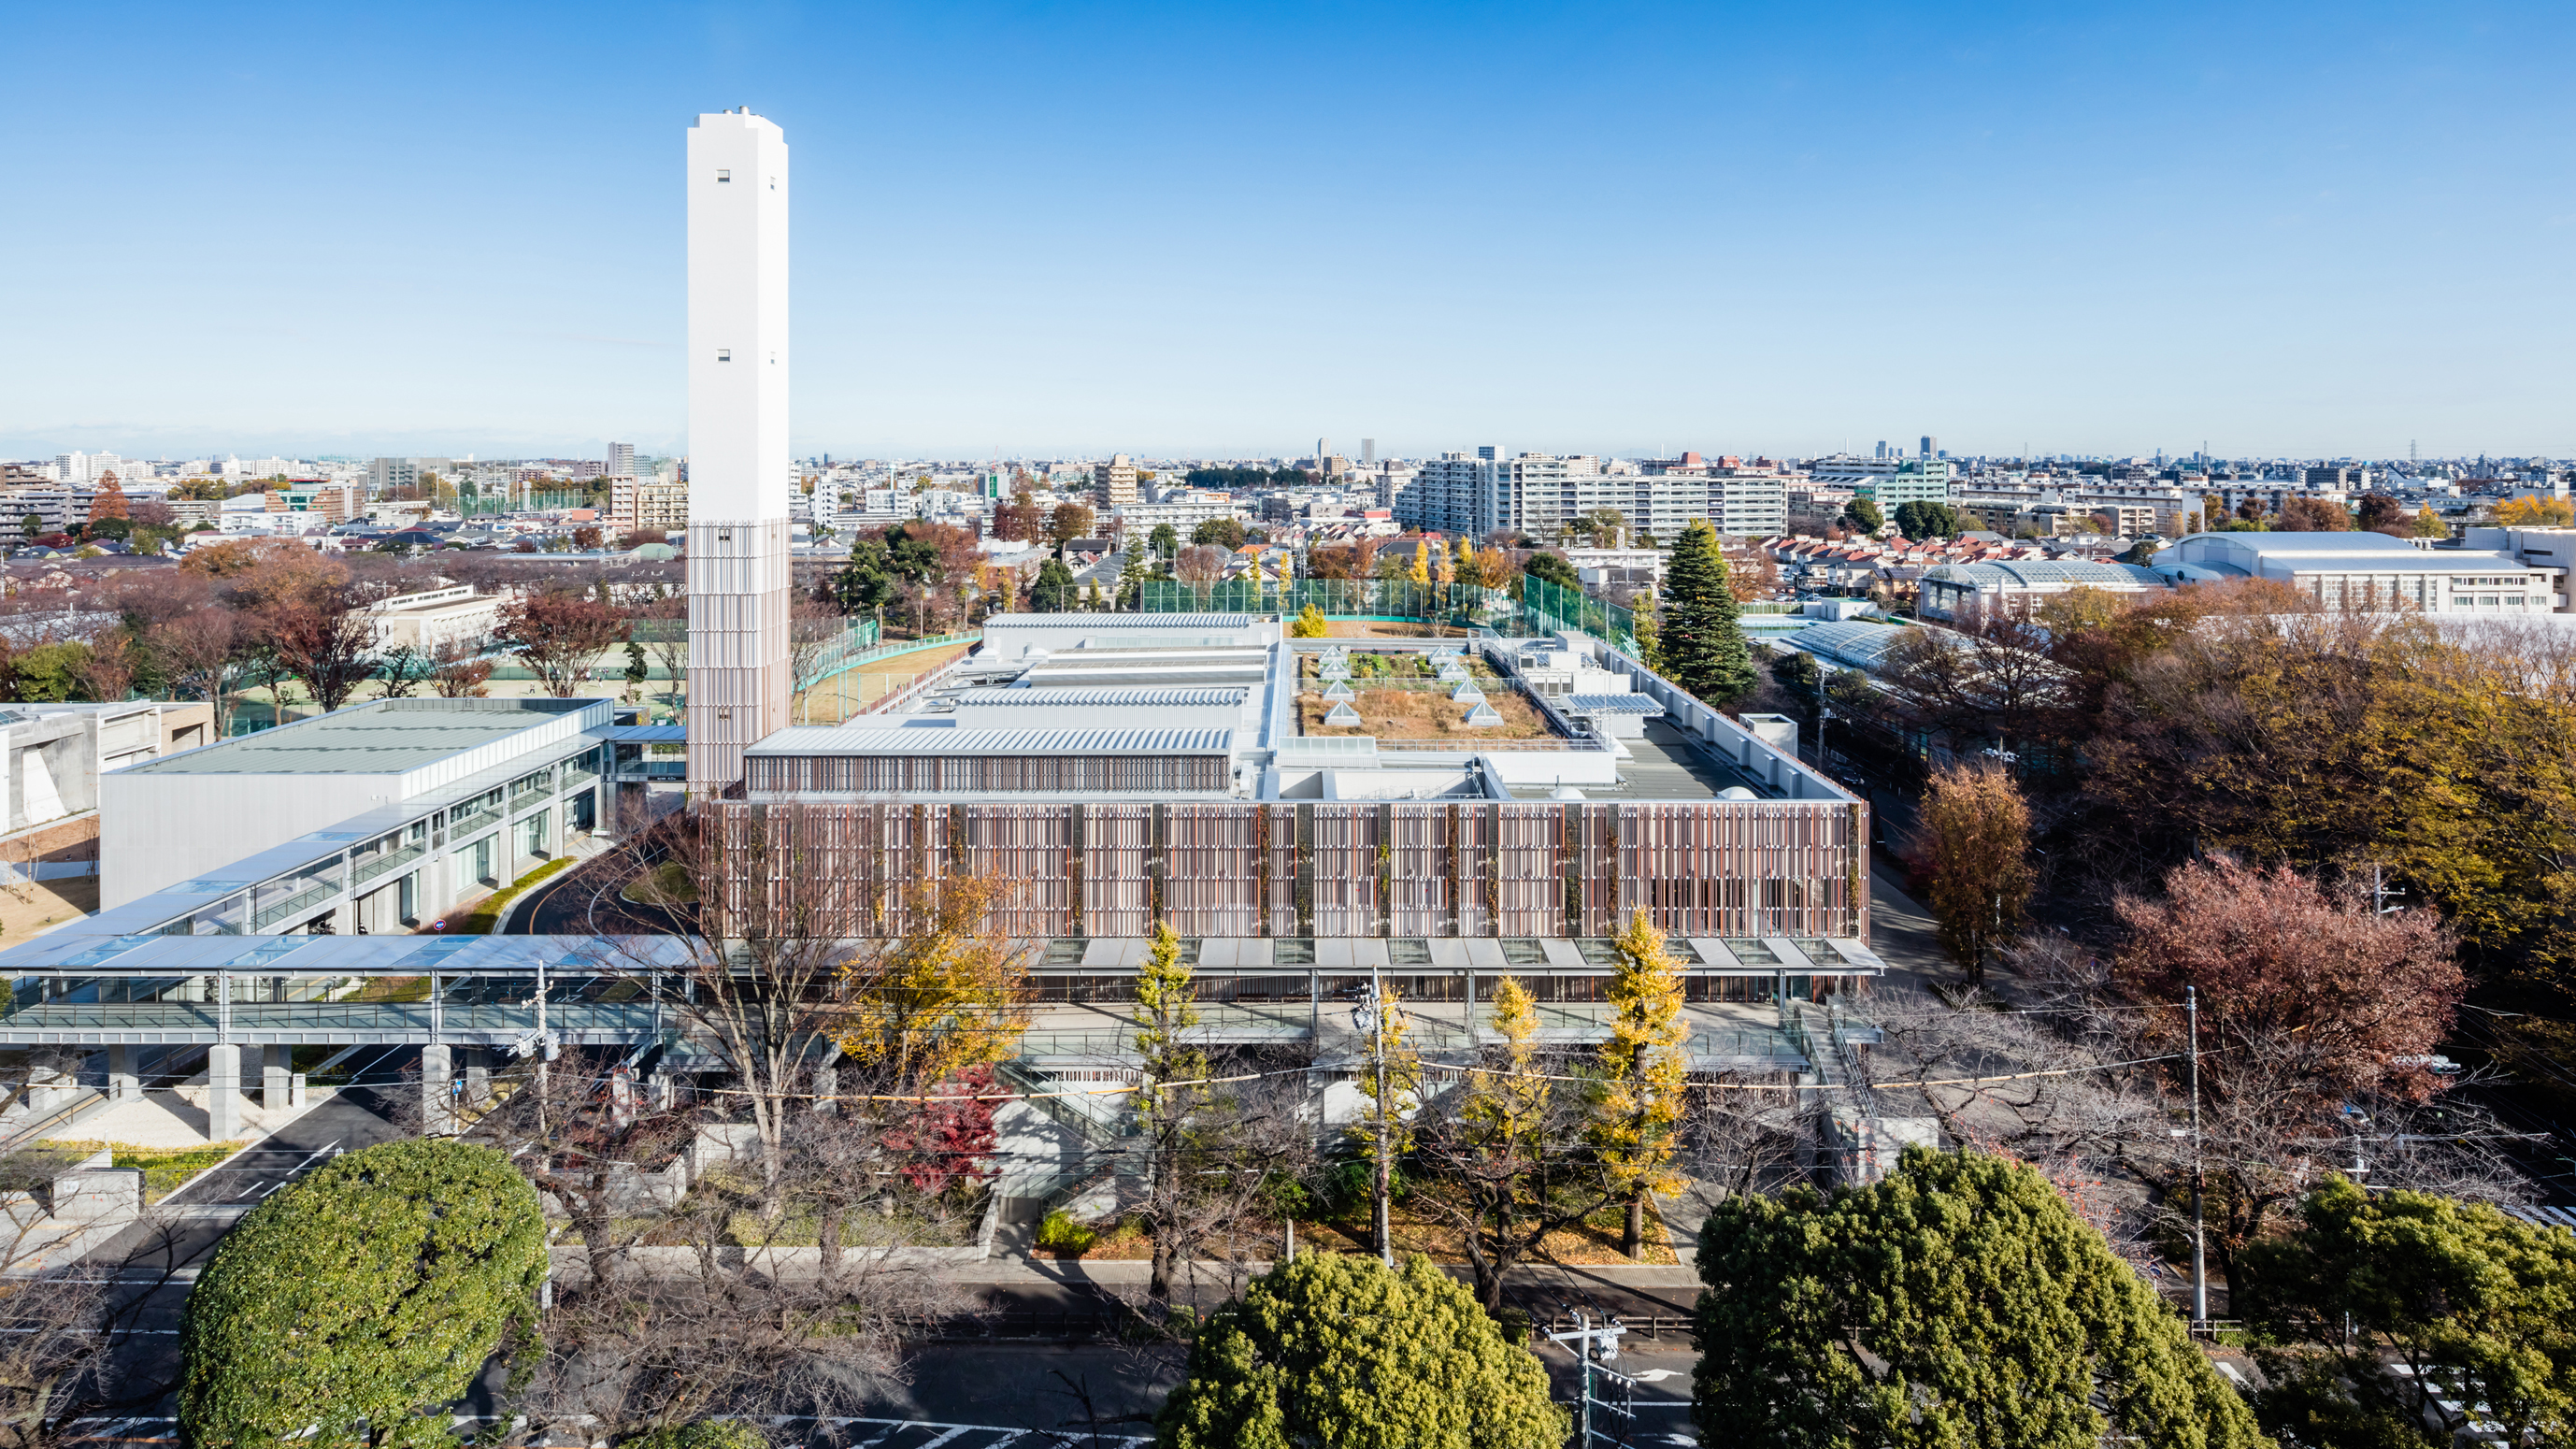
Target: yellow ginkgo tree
x=1636, y=1126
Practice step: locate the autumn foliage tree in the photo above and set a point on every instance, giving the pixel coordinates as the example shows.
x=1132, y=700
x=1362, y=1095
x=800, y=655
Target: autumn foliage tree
x=1500, y=1140
x=1644, y=1067
x=325, y=638
x=557, y=634
x=2276, y=956
x=2310, y=1003
x=1973, y=836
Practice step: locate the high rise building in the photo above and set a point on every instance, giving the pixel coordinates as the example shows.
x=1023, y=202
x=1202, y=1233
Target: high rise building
x=1115, y=481
x=1931, y=447
x=738, y=565
x=1368, y=452
x=621, y=460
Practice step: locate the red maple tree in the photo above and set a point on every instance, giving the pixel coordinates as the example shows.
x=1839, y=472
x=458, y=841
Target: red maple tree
x=950, y=1139
x=2281, y=961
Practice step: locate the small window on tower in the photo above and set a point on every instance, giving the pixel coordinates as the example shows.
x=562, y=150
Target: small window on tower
x=724, y=354
x=724, y=176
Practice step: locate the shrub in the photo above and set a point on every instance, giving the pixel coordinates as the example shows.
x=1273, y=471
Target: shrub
x=700, y=1434
x=1059, y=1233
x=347, y=1309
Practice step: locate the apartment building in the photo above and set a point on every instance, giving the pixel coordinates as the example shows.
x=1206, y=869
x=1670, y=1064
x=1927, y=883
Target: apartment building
x=661, y=505
x=1547, y=496
x=1116, y=481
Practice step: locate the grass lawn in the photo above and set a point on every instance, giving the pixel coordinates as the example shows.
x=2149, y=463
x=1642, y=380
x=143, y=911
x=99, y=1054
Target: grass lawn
x=165, y=1169
x=486, y=912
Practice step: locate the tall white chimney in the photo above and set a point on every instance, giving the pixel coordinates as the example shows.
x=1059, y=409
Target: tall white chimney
x=739, y=572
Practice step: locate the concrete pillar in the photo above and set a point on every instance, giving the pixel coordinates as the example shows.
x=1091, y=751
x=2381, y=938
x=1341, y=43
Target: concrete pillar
x=274, y=1088
x=826, y=1082
x=437, y=1080
x=124, y=1084
x=478, y=1075
x=223, y=1093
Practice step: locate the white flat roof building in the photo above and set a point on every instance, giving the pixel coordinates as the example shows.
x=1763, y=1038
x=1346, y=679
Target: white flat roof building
x=2369, y=570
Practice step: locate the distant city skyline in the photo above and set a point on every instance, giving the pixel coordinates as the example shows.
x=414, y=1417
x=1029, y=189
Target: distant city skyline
x=2296, y=231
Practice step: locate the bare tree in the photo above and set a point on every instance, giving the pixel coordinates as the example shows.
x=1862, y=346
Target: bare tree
x=460, y=670
x=203, y=650
x=668, y=639
x=812, y=628
x=326, y=638
x=82, y=1277
x=759, y=977
x=402, y=670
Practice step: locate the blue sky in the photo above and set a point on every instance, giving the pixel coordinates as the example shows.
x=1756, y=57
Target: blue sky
x=1054, y=229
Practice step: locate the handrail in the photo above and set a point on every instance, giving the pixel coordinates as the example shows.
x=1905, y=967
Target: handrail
x=311, y=895
x=920, y=684
x=375, y=866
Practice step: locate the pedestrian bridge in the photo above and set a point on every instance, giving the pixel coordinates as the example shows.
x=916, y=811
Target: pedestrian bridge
x=341, y=991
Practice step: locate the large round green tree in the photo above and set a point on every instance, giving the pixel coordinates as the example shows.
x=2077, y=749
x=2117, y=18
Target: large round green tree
x=348, y=1308
x=1957, y=1302
x=1703, y=640
x=1347, y=1353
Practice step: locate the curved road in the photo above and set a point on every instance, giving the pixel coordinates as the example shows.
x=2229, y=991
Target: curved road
x=583, y=901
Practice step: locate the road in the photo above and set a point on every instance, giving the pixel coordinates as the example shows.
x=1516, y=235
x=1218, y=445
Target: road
x=1113, y=1389
x=157, y=1262
x=354, y=1117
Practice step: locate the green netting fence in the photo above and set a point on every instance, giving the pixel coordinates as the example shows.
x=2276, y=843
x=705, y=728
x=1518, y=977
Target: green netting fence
x=1539, y=608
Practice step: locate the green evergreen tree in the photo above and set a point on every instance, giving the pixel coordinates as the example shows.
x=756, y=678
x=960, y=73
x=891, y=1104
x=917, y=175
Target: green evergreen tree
x=1053, y=592
x=1703, y=644
x=1346, y=1352
x=349, y=1309
x=1863, y=515
x=1959, y=1301
x=2446, y=1288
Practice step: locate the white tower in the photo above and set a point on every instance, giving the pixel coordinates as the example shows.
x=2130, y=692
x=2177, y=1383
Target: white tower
x=738, y=565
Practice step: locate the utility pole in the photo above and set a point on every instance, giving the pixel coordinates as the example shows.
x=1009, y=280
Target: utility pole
x=1377, y=1010
x=2199, y=1233
x=1582, y=1340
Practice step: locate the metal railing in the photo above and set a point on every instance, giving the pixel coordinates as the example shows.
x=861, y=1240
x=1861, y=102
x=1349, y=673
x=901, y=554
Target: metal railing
x=464, y=825
x=375, y=866
x=839, y=657
x=1468, y=745
x=311, y=895
x=1076, y=1114
x=921, y=684
x=629, y=1020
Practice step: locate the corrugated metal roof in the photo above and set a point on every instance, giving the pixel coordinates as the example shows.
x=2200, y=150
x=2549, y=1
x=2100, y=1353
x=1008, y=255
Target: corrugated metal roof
x=1072, y=696
x=1863, y=646
x=2047, y=571
x=2339, y=542
x=1615, y=703
x=837, y=740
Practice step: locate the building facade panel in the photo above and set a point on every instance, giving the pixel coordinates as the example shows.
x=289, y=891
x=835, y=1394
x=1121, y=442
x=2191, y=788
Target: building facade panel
x=1327, y=869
